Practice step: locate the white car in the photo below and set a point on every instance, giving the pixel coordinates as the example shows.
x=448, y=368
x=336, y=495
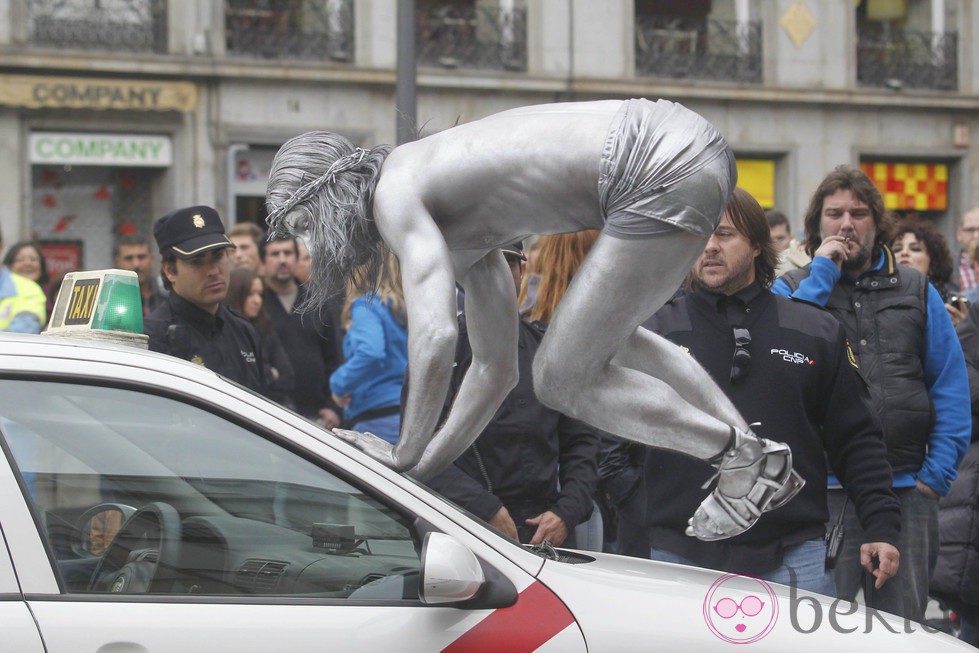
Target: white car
x=148, y=504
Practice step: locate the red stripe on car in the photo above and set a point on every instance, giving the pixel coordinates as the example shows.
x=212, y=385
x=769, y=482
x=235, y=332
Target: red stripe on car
x=537, y=616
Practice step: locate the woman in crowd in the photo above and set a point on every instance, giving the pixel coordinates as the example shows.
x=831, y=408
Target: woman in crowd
x=245, y=296
x=25, y=258
x=375, y=349
x=557, y=259
x=919, y=245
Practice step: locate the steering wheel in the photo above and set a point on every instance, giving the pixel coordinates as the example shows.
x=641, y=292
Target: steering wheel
x=143, y=554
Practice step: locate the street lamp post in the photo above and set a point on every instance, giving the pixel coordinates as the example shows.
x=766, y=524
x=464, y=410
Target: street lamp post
x=405, y=100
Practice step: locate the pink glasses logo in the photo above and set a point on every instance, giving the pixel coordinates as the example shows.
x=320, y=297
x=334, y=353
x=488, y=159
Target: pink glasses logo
x=740, y=609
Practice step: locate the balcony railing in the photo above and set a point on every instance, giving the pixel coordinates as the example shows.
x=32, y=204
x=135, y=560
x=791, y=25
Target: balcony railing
x=705, y=50
x=116, y=25
x=318, y=30
x=473, y=36
x=900, y=59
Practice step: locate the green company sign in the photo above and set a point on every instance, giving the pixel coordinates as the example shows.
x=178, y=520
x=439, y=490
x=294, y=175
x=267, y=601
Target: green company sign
x=100, y=149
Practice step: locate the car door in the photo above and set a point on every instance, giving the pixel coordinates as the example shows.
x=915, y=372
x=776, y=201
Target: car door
x=17, y=628
x=174, y=517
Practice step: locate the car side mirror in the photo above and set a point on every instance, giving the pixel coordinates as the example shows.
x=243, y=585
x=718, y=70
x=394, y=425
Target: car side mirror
x=97, y=527
x=450, y=572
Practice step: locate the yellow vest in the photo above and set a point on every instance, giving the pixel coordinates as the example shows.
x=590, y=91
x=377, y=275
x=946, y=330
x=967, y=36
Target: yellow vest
x=19, y=295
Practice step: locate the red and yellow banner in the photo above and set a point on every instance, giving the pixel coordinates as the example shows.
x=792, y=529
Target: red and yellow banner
x=910, y=186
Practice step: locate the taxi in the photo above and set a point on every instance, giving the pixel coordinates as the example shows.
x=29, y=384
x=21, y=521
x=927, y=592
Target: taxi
x=147, y=504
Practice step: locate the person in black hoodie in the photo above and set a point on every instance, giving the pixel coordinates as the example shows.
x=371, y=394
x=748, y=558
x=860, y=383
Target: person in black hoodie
x=532, y=472
x=956, y=577
x=311, y=337
x=787, y=365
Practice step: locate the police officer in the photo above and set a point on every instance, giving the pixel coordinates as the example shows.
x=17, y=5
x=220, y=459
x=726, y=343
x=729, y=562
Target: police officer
x=787, y=365
x=193, y=323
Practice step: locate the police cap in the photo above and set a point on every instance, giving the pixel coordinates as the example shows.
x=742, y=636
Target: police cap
x=190, y=232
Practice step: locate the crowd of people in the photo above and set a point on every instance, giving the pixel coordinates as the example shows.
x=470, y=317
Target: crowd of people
x=856, y=343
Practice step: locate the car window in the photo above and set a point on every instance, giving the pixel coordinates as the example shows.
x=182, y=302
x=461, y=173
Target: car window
x=137, y=493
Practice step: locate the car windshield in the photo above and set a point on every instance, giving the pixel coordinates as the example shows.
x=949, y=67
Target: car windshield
x=234, y=501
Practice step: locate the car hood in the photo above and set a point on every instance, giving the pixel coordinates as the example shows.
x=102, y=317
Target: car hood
x=626, y=604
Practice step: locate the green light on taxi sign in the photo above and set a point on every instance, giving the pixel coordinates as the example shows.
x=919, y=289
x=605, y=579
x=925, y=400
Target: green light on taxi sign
x=120, y=307
x=99, y=305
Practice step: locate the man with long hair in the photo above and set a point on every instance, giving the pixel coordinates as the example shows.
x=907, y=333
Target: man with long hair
x=905, y=344
x=653, y=176
x=784, y=364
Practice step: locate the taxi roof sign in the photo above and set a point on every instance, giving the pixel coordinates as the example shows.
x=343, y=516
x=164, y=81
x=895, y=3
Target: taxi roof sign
x=99, y=305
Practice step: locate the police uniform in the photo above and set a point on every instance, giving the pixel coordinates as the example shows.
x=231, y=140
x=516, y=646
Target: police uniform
x=225, y=341
x=802, y=384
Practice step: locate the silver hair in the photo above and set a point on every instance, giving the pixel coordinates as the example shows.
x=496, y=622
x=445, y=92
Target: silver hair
x=321, y=189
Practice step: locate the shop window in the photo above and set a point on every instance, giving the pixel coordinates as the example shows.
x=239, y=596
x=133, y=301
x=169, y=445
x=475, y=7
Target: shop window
x=904, y=44
x=481, y=34
x=290, y=29
x=123, y=25
x=81, y=209
x=696, y=39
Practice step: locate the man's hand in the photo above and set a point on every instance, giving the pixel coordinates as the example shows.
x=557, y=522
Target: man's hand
x=926, y=490
x=549, y=527
x=343, y=401
x=504, y=522
x=836, y=249
x=889, y=561
x=330, y=418
x=370, y=444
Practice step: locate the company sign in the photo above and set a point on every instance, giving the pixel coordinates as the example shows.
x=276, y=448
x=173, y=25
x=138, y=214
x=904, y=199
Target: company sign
x=101, y=149
x=94, y=93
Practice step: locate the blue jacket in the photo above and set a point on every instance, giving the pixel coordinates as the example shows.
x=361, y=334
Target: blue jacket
x=943, y=369
x=375, y=351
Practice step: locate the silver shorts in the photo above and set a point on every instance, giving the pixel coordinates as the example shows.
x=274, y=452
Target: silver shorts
x=664, y=168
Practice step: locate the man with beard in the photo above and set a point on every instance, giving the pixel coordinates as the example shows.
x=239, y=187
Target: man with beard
x=192, y=323
x=785, y=365
x=132, y=252
x=905, y=345
x=310, y=338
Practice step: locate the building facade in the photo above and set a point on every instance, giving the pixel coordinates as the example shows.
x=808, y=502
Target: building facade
x=113, y=112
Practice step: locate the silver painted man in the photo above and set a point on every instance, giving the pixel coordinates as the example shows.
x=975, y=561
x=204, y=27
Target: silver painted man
x=653, y=176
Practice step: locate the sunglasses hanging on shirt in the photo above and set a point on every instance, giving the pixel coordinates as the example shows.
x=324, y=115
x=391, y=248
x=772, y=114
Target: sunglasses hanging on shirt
x=742, y=357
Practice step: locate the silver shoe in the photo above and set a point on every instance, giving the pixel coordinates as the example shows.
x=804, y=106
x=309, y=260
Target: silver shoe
x=754, y=476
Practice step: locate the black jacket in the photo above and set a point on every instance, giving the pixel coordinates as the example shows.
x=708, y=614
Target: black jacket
x=802, y=384
x=884, y=313
x=956, y=577
x=524, y=452
x=225, y=342
x=311, y=340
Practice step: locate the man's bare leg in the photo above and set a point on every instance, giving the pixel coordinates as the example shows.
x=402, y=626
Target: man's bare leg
x=656, y=356
x=620, y=284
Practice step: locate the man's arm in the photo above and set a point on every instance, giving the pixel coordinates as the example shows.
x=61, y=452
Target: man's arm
x=948, y=386
x=578, y=446
x=24, y=323
x=491, y=320
x=428, y=281
x=816, y=288
x=458, y=486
